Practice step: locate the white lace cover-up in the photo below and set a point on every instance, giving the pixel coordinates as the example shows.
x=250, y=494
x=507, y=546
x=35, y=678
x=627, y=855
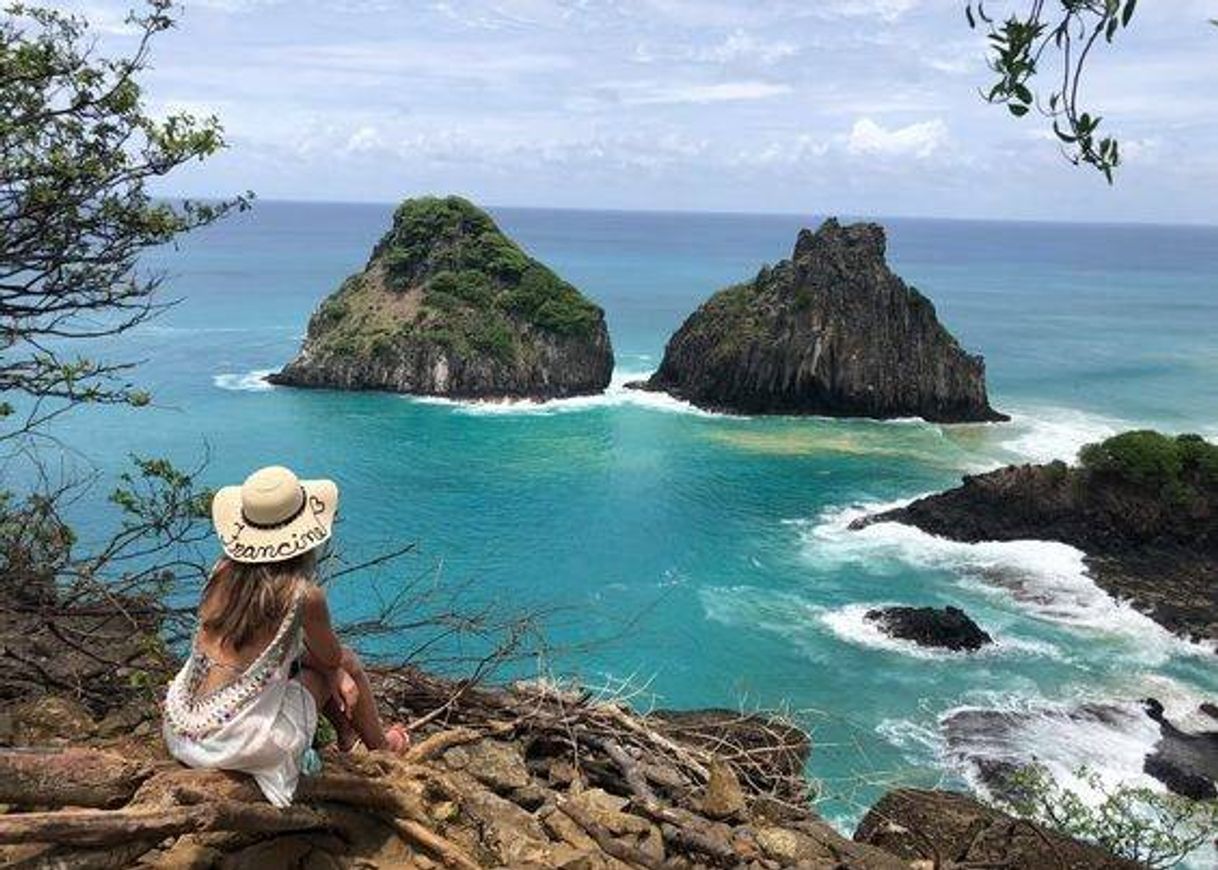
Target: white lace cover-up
x=261, y=723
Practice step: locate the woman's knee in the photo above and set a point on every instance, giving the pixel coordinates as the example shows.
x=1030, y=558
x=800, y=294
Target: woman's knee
x=350, y=661
x=316, y=684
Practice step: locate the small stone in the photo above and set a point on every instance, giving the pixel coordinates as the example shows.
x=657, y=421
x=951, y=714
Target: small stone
x=499, y=766
x=51, y=719
x=187, y=854
x=562, y=772
x=123, y=720
x=779, y=844
x=530, y=796
x=723, y=798
x=560, y=826
x=444, y=811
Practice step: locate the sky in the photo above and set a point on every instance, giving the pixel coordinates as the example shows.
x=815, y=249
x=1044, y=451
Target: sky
x=858, y=107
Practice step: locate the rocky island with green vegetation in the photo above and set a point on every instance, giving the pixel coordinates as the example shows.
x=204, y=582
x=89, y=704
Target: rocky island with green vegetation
x=448, y=305
x=1143, y=508
x=833, y=332
x=1142, y=505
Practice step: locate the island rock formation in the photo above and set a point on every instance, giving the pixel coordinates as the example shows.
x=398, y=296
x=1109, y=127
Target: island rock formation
x=949, y=628
x=831, y=331
x=1142, y=506
x=449, y=306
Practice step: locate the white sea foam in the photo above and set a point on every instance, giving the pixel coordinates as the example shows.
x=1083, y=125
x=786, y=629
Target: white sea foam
x=617, y=394
x=1045, y=433
x=1107, y=734
x=254, y=381
x=850, y=624
x=1108, y=738
x=805, y=624
x=1044, y=579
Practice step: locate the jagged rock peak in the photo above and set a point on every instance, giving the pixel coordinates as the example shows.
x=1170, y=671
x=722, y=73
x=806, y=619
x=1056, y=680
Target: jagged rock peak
x=832, y=331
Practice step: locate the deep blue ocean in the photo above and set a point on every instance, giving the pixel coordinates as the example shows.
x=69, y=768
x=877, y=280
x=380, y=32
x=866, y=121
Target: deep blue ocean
x=703, y=560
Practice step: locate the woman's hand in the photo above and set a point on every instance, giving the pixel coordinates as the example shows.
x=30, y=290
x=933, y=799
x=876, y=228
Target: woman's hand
x=346, y=690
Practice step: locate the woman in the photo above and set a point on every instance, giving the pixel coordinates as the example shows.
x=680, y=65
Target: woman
x=266, y=658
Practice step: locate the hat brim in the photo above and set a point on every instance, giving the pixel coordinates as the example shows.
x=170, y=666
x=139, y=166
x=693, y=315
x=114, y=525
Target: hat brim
x=306, y=531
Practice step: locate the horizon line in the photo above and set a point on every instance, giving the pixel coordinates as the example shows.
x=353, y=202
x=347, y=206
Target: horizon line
x=280, y=200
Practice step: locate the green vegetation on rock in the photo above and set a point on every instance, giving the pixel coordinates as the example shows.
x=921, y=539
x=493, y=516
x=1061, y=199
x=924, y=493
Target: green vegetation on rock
x=1179, y=467
x=463, y=284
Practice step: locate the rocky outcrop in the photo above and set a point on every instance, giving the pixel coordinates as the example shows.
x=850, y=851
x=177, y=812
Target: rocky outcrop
x=997, y=745
x=831, y=331
x=1186, y=762
x=527, y=775
x=449, y=306
x=1142, y=506
x=947, y=628
x=937, y=828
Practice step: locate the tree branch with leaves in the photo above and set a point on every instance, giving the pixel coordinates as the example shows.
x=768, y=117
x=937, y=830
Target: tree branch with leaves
x=78, y=150
x=1048, y=33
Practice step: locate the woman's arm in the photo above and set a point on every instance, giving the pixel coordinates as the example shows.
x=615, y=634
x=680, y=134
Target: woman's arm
x=324, y=650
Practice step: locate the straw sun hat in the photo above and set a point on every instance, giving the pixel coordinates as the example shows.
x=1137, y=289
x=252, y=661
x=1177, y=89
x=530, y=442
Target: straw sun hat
x=274, y=515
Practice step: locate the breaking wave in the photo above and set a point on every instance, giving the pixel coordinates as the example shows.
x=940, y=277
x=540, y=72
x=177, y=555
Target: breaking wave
x=250, y=382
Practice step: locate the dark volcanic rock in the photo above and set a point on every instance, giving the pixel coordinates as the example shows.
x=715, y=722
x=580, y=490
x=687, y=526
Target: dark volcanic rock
x=1186, y=763
x=1151, y=536
x=449, y=306
x=831, y=331
x=928, y=826
x=949, y=628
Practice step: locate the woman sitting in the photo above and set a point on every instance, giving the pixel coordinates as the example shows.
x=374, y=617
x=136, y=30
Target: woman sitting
x=266, y=657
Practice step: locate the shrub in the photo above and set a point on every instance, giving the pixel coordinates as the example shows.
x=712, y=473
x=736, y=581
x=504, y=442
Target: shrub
x=1142, y=457
x=467, y=285
x=1180, y=468
x=472, y=264
x=1057, y=471
x=332, y=311
x=494, y=337
x=1201, y=456
x=1144, y=825
x=546, y=301
x=382, y=345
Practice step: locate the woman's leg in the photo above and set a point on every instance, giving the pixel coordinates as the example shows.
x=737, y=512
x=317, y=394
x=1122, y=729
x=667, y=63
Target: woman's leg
x=318, y=684
x=363, y=713
x=315, y=684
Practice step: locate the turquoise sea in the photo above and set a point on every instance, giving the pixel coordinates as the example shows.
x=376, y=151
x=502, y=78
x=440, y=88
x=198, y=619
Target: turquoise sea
x=707, y=556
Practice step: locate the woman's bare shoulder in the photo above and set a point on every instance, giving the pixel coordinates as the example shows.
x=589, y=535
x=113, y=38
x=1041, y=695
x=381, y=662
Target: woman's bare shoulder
x=315, y=604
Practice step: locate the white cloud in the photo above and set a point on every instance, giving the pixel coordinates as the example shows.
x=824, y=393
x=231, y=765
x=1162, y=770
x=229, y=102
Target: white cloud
x=648, y=94
x=800, y=149
x=738, y=47
x=916, y=140
x=364, y=140
x=961, y=57
x=741, y=46
x=1144, y=150
x=887, y=10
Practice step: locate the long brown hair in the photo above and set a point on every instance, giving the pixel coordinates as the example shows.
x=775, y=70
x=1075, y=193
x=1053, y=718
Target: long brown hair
x=247, y=598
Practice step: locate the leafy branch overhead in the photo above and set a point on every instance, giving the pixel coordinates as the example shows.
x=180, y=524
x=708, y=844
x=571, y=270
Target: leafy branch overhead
x=80, y=149
x=1058, y=37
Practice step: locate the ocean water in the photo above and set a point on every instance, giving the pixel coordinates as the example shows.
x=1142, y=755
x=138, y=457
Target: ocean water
x=704, y=560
